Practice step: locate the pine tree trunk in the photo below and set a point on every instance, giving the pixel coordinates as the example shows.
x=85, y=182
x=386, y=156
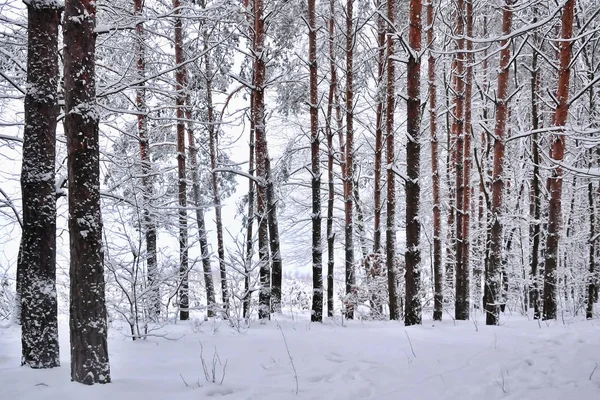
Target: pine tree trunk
x=435, y=173
x=144, y=144
x=276, y=263
x=197, y=202
x=258, y=106
x=37, y=256
x=461, y=304
x=317, y=250
x=88, y=325
x=535, y=202
x=390, y=228
x=330, y=159
x=492, y=275
x=467, y=164
x=413, y=313
x=593, y=277
x=212, y=144
x=349, y=166
x=181, y=81
x=556, y=154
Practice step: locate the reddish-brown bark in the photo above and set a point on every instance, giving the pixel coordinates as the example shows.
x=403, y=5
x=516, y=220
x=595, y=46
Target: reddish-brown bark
x=88, y=325
x=492, y=274
x=557, y=152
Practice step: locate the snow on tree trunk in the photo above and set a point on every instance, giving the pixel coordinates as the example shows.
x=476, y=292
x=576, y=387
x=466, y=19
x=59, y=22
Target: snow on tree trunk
x=461, y=304
x=317, y=249
x=557, y=151
x=435, y=173
x=413, y=313
x=258, y=107
x=197, y=202
x=492, y=273
x=180, y=86
x=213, y=144
x=88, y=325
x=349, y=167
x=330, y=159
x=37, y=256
x=464, y=267
x=390, y=227
x=143, y=137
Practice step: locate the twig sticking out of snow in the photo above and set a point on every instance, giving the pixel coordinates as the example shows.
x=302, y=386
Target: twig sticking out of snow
x=411, y=346
x=289, y=354
x=594, y=370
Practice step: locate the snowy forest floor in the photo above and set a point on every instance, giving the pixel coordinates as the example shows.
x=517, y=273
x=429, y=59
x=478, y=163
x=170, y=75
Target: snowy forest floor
x=521, y=359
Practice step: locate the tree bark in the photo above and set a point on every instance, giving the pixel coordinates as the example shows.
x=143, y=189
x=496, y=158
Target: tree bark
x=317, y=251
x=330, y=159
x=213, y=150
x=197, y=202
x=414, y=309
x=88, y=325
x=37, y=256
x=492, y=275
x=390, y=227
x=435, y=173
x=258, y=106
x=557, y=152
x=461, y=304
x=464, y=269
x=149, y=223
x=349, y=166
x=181, y=82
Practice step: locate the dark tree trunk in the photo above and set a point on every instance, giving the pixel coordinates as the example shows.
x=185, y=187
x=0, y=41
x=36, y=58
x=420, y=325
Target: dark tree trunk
x=144, y=144
x=593, y=277
x=276, y=264
x=461, y=304
x=435, y=173
x=557, y=152
x=413, y=313
x=262, y=157
x=317, y=250
x=349, y=166
x=37, y=256
x=330, y=159
x=464, y=269
x=535, y=202
x=88, y=325
x=250, y=219
x=390, y=227
x=181, y=81
x=492, y=275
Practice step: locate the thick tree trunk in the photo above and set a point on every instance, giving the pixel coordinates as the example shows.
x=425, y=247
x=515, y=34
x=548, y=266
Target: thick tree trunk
x=144, y=144
x=557, y=152
x=413, y=313
x=258, y=106
x=390, y=228
x=349, y=166
x=317, y=250
x=435, y=173
x=492, y=273
x=181, y=81
x=37, y=256
x=276, y=264
x=88, y=325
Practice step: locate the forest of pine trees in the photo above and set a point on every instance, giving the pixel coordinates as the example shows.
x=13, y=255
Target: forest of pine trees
x=385, y=159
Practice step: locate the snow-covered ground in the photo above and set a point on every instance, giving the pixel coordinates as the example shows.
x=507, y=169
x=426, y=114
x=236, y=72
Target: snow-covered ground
x=521, y=359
